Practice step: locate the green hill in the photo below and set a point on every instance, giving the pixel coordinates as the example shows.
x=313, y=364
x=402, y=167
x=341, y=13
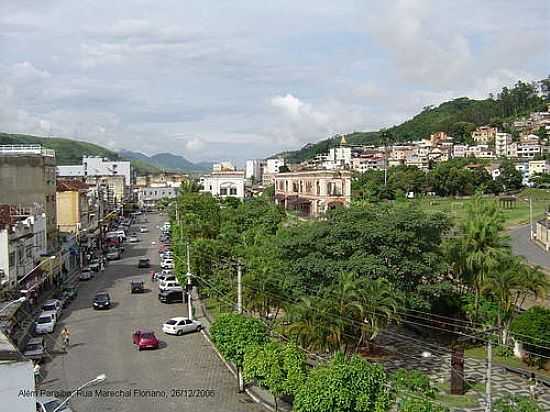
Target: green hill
x=70, y=152
x=456, y=117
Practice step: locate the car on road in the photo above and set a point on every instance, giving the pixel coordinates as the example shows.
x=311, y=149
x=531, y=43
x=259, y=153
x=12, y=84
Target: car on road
x=143, y=229
x=145, y=339
x=114, y=254
x=47, y=404
x=171, y=296
x=170, y=285
x=144, y=262
x=35, y=349
x=102, y=300
x=179, y=326
x=45, y=323
x=167, y=264
x=136, y=286
x=86, y=274
x=133, y=239
x=52, y=305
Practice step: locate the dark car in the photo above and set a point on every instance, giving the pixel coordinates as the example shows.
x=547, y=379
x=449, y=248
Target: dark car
x=136, y=286
x=102, y=300
x=171, y=296
x=144, y=262
x=145, y=339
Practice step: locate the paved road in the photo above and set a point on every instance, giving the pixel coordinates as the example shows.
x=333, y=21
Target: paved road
x=523, y=246
x=101, y=343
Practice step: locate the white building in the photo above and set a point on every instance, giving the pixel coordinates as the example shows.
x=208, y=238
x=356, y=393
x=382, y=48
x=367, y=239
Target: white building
x=254, y=169
x=272, y=166
x=362, y=164
x=98, y=166
x=502, y=141
x=149, y=196
x=539, y=167
x=524, y=169
x=22, y=242
x=224, y=184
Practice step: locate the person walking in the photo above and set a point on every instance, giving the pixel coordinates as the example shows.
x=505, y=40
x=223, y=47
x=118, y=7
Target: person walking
x=65, y=334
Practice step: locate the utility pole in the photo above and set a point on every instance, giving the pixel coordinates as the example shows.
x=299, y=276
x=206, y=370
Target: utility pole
x=530, y=219
x=189, y=286
x=488, y=400
x=239, y=290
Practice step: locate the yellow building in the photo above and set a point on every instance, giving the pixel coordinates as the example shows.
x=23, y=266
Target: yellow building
x=72, y=206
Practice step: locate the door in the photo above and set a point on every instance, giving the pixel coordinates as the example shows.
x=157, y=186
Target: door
x=188, y=326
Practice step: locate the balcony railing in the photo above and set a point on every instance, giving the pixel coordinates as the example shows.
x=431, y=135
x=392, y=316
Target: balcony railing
x=26, y=149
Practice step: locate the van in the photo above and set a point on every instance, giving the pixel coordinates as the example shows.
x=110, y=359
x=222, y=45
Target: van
x=170, y=285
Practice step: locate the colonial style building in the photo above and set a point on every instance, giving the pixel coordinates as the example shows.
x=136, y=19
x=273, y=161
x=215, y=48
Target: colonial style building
x=313, y=192
x=543, y=232
x=224, y=184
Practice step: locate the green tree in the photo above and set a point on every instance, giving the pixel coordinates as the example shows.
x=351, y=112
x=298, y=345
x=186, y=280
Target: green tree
x=510, y=178
x=532, y=327
x=233, y=334
x=406, y=381
x=344, y=385
x=279, y=368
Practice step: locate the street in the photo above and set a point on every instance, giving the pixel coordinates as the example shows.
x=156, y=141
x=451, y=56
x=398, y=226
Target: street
x=523, y=246
x=145, y=380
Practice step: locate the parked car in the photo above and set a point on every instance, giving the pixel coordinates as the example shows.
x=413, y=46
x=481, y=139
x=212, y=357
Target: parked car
x=179, y=326
x=167, y=264
x=94, y=265
x=136, y=286
x=47, y=404
x=52, y=305
x=86, y=274
x=171, y=296
x=114, y=254
x=133, y=239
x=102, y=300
x=170, y=285
x=145, y=339
x=143, y=229
x=144, y=262
x=35, y=349
x=45, y=323
x=62, y=297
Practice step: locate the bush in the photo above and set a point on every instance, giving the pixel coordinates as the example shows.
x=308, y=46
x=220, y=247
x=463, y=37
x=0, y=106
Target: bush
x=413, y=381
x=516, y=404
x=420, y=405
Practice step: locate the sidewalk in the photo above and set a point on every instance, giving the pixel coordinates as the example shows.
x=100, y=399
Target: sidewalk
x=259, y=395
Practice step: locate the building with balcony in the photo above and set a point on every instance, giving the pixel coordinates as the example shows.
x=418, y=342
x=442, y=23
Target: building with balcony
x=313, y=192
x=27, y=180
x=502, y=142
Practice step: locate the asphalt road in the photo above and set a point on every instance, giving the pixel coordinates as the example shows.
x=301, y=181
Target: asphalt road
x=146, y=380
x=523, y=246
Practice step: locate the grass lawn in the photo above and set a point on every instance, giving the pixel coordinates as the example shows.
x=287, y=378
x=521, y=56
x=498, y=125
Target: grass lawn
x=519, y=215
x=512, y=362
x=468, y=400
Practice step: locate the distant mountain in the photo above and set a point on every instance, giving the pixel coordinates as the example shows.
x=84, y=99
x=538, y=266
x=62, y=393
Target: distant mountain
x=457, y=117
x=168, y=161
x=70, y=152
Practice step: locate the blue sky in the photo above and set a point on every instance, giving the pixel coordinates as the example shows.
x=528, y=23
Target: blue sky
x=239, y=79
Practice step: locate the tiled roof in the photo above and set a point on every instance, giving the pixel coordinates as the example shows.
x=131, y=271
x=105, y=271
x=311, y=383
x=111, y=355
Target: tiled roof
x=71, y=185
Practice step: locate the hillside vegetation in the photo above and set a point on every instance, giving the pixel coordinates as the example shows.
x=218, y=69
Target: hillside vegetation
x=457, y=117
x=70, y=152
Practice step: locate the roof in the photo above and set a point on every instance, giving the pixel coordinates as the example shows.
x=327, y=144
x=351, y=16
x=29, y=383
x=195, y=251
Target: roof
x=8, y=352
x=71, y=185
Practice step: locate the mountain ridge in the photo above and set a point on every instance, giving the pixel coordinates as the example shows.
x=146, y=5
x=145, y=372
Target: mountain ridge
x=168, y=161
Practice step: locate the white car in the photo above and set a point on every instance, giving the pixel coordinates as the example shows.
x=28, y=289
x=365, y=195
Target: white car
x=170, y=285
x=45, y=323
x=179, y=326
x=167, y=278
x=52, y=305
x=86, y=274
x=133, y=239
x=167, y=264
x=143, y=229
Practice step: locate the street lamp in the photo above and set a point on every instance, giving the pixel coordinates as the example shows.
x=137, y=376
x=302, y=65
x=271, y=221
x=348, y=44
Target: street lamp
x=32, y=270
x=98, y=379
x=20, y=300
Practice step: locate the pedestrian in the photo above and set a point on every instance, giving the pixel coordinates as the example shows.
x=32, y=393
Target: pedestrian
x=533, y=386
x=66, y=336
x=36, y=371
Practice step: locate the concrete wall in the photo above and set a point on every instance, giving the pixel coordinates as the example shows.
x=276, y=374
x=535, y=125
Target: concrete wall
x=16, y=376
x=68, y=211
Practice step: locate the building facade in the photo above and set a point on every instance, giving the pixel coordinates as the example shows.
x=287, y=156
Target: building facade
x=313, y=192
x=148, y=197
x=27, y=180
x=224, y=184
x=72, y=206
x=98, y=166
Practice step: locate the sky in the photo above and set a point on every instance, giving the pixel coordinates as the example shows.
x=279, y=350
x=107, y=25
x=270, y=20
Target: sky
x=241, y=79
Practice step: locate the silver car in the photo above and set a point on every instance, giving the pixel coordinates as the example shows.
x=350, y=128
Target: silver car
x=35, y=349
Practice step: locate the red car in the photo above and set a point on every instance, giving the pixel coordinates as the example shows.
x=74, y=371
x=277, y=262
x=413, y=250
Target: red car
x=145, y=339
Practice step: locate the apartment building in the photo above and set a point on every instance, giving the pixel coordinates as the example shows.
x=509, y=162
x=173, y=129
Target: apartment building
x=538, y=167
x=95, y=166
x=502, y=142
x=484, y=134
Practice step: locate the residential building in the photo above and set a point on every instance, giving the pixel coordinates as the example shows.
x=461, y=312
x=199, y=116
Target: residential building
x=484, y=134
x=313, y=192
x=363, y=163
x=502, y=142
x=164, y=179
x=480, y=151
x=538, y=167
x=224, y=184
x=523, y=168
x=148, y=197
x=272, y=166
x=72, y=206
x=27, y=180
x=117, y=190
x=94, y=166
x=223, y=167
x=460, y=150
x=439, y=138
x=524, y=150
x=22, y=243
x=254, y=169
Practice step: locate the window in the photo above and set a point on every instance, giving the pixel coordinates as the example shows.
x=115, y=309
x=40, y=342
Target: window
x=28, y=251
x=223, y=191
x=233, y=191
